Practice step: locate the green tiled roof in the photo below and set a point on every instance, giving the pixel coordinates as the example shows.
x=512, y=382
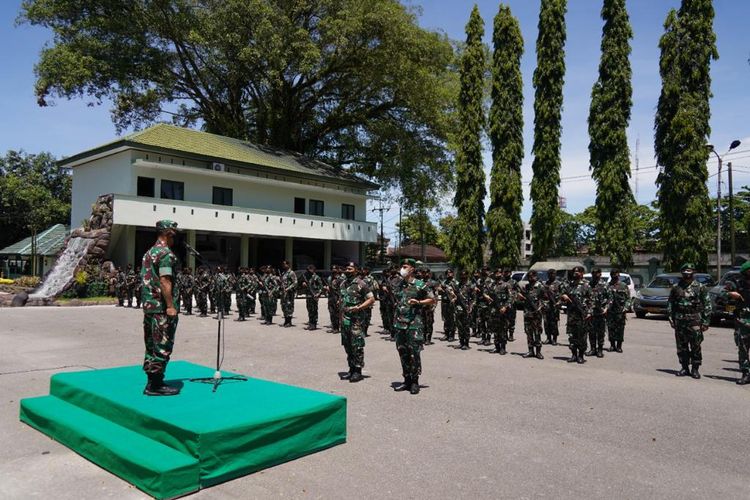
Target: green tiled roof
x=218, y=147
x=49, y=242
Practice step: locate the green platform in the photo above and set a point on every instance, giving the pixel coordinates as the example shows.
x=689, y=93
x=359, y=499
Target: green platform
x=170, y=446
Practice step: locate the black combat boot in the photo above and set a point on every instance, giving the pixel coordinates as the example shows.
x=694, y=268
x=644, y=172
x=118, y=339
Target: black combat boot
x=745, y=379
x=618, y=346
x=502, y=351
x=156, y=386
x=573, y=356
x=356, y=375
x=685, y=370
x=539, y=352
x=405, y=385
x=695, y=373
x=554, y=340
x=510, y=337
x=592, y=351
x=312, y=326
x=414, y=389
x=600, y=352
x=580, y=359
x=529, y=354
x=612, y=346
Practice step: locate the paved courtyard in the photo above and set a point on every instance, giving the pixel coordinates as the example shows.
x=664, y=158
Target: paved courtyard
x=484, y=425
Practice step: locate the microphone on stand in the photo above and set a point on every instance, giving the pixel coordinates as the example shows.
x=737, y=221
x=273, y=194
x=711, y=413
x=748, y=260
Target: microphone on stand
x=191, y=249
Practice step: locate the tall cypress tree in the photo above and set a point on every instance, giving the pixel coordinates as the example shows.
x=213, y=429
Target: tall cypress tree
x=467, y=235
x=609, y=115
x=506, y=135
x=681, y=127
x=549, y=78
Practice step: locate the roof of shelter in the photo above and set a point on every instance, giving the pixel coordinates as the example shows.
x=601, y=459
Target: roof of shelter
x=49, y=242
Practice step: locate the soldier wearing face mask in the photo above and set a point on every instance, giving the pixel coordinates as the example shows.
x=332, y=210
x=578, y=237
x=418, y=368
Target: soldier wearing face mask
x=689, y=310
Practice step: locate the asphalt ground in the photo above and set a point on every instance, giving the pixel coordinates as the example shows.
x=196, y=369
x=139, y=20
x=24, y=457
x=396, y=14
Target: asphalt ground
x=484, y=425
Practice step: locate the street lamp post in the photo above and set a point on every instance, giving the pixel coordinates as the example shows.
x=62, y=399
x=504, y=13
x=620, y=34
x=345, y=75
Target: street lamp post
x=734, y=144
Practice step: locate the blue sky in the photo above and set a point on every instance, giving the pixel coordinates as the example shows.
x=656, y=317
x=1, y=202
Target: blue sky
x=72, y=126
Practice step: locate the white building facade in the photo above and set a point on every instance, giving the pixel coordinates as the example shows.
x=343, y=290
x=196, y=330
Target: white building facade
x=237, y=203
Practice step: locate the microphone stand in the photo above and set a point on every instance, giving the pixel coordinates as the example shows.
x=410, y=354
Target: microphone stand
x=217, y=378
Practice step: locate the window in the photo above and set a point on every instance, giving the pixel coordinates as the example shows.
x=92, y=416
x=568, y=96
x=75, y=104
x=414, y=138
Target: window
x=222, y=196
x=146, y=186
x=347, y=211
x=299, y=205
x=316, y=207
x=172, y=190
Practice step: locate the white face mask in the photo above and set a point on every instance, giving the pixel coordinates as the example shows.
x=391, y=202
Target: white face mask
x=404, y=272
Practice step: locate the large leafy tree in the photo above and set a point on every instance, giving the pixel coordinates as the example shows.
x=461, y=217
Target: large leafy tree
x=351, y=82
x=504, y=223
x=417, y=228
x=681, y=126
x=549, y=77
x=467, y=232
x=34, y=194
x=609, y=115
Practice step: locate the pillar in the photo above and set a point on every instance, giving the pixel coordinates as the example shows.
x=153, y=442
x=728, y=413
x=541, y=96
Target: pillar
x=191, y=242
x=253, y=252
x=130, y=245
x=362, y=254
x=327, y=254
x=244, y=249
x=289, y=251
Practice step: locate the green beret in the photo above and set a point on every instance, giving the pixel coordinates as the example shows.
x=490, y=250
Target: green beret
x=409, y=262
x=166, y=224
x=745, y=266
x=687, y=265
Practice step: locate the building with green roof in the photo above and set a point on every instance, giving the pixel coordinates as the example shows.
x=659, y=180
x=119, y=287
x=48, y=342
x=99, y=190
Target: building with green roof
x=238, y=203
x=15, y=259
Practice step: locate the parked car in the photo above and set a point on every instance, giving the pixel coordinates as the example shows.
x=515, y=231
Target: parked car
x=653, y=298
x=720, y=310
x=624, y=278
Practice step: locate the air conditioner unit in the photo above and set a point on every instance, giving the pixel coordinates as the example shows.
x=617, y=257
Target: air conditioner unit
x=219, y=167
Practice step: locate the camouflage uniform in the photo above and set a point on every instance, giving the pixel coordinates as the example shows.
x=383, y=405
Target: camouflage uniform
x=533, y=303
x=229, y=285
x=158, y=328
x=213, y=298
x=619, y=303
x=741, y=323
x=138, y=289
x=367, y=312
x=131, y=283
x=263, y=296
x=333, y=302
x=447, y=309
x=428, y=312
x=252, y=291
x=409, y=327
x=600, y=303
x=241, y=293
x=501, y=295
x=121, y=287
x=551, y=310
x=512, y=312
x=288, y=291
x=202, y=289
x=463, y=292
x=394, y=283
x=579, y=314
x=689, y=309
x=187, y=286
x=353, y=291
x=482, y=307
x=314, y=288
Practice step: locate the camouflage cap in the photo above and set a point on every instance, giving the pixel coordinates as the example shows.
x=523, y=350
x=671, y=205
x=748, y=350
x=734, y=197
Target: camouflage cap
x=687, y=265
x=745, y=266
x=409, y=262
x=165, y=224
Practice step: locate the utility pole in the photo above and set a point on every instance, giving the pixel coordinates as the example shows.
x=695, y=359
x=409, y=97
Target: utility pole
x=399, y=232
x=381, y=209
x=731, y=213
x=637, y=165
x=718, y=223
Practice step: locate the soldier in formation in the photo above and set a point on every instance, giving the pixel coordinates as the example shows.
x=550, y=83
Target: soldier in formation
x=508, y=278
x=356, y=297
x=287, y=291
x=202, y=290
x=532, y=297
x=551, y=308
x=577, y=295
x=373, y=286
x=187, y=287
x=689, y=311
x=131, y=283
x=412, y=296
x=501, y=297
x=313, y=286
x=332, y=290
x=447, y=308
x=252, y=290
x=600, y=303
x=120, y=286
x=619, y=304
x=739, y=293
x=242, y=290
x=428, y=312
